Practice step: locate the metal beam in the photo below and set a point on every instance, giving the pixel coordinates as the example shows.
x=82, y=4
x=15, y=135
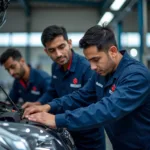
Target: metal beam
x=72, y=2
x=26, y=6
x=105, y=6
x=120, y=15
x=119, y=27
x=142, y=18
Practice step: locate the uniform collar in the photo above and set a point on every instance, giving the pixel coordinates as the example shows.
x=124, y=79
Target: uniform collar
x=125, y=61
x=31, y=76
x=74, y=62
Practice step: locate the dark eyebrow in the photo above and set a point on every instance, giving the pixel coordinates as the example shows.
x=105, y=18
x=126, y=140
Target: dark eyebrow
x=56, y=47
x=61, y=44
x=10, y=66
x=50, y=49
x=94, y=58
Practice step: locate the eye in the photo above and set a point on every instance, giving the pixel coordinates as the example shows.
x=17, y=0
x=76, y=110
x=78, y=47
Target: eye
x=96, y=59
x=62, y=46
x=13, y=66
x=51, y=50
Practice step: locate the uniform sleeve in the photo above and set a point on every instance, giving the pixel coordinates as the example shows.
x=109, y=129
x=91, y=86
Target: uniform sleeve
x=49, y=92
x=13, y=94
x=130, y=94
x=81, y=98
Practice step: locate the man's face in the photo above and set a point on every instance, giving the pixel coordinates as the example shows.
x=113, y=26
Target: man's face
x=101, y=62
x=59, y=50
x=15, y=68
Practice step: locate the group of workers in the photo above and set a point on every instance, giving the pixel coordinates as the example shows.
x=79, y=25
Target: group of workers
x=106, y=89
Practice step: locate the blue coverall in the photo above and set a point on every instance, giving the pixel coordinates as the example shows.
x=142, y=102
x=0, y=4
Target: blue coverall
x=123, y=106
x=34, y=89
x=65, y=82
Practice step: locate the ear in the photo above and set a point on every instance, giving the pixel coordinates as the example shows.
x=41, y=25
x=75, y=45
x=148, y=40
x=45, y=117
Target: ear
x=22, y=60
x=113, y=51
x=70, y=43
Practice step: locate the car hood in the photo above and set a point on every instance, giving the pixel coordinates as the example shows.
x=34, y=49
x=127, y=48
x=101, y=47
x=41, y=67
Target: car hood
x=29, y=137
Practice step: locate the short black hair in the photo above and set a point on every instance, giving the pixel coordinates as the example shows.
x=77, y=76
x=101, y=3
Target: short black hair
x=51, y=32
x=10, y=52
x=100, y=36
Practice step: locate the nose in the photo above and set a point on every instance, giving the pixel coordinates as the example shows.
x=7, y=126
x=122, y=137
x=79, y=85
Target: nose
x=93, y=66
x=11, y=72
x=58, y=53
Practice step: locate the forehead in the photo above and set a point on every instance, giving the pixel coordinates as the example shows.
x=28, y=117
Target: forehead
x=55, y=42
x=10, y=61
x=92, y=52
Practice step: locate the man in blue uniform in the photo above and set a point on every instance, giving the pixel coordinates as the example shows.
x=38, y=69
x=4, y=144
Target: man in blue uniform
x=122, y=87
x=70, y=72
x=30, y=84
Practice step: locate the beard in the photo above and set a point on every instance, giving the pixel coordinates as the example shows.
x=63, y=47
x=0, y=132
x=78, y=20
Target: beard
x=21, y=72
x=110, y=67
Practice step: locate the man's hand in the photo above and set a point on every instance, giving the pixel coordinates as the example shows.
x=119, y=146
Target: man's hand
x=28, y=104
x=35, y=109
x=43, y=118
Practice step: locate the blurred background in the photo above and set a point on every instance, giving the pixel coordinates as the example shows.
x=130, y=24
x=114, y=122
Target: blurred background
x=26, y=20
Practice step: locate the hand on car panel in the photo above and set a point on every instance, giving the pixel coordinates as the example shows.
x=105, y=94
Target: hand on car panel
x=36, y=108
x=28, y=104
x=43, y=118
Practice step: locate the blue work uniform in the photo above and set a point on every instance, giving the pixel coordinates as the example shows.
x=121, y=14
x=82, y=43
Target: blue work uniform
x=32, y=90
x=65, y=82
x=123, y=106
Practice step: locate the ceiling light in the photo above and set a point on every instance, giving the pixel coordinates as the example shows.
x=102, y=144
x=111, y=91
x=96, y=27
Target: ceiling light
x=117, y=4
x=106, y=18
x=133, y=52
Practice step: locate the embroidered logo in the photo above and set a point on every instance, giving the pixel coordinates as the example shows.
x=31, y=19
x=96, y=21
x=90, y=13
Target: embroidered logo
x=55, y=77
x=99, y=84
x=75, y=85
x=113, y=88
x=36, y=92
x=75, y=81
x=34, y=88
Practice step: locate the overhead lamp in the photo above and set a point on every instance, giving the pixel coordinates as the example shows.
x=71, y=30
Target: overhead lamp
x=133, y=52
x=106, y=18
x=117, y=4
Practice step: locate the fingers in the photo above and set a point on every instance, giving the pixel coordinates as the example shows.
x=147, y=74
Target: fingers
x=35, y=109
x=37, y=117
x=27, y=104
x=43, y=118
x=30, y=110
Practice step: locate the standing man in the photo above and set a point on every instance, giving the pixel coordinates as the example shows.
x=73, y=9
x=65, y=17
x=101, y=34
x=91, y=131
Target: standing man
x=70, y=72
x=30, y=84
x=121, y=85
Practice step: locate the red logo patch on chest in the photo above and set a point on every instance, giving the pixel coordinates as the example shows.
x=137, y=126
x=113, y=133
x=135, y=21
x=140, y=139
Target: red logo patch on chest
x=75, y=80
x=113, y=88
x=34, y=88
